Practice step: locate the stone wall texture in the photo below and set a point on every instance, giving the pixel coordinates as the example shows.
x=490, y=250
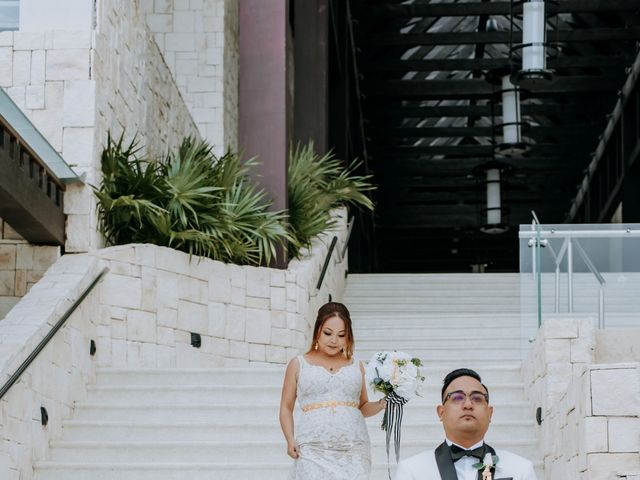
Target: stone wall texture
x=590, y=412
x=143, y=314
x=111, y=76
x=21, y=266
x=200, y=45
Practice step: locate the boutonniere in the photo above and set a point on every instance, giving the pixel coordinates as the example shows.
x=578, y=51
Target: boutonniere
x=487, y=464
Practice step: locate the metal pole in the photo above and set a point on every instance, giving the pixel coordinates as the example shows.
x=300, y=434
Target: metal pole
x=533, y=254
x=570, y=273
x=557, y=305
x=601, y=308
x=539, y=277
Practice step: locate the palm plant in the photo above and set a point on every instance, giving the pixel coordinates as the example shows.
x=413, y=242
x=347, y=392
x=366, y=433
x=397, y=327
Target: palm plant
x=190, y=200
x=318, y=184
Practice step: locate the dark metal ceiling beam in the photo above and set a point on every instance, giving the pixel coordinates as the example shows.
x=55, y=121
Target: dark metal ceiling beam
x=447, y=175
x=546, y=109
x=417, y=173
x=479, y=88
x=460, y=216
x=497, y=8
x=462, y=38
x=453, y=132
x=473, y=150
x=468, y=64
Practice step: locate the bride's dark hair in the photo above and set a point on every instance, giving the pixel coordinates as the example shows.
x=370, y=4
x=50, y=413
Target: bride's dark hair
x=326, y=311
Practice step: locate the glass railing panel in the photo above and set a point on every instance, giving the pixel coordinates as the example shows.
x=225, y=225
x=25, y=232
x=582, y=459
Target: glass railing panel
x=586, y=268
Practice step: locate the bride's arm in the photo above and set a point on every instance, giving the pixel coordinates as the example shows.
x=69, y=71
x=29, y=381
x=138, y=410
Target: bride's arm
x=287, y=402
x=368, y=408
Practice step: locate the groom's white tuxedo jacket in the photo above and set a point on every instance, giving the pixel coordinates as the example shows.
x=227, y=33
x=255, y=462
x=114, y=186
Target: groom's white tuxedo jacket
x=425, y=466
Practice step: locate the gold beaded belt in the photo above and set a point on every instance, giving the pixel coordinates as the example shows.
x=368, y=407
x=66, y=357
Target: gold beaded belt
x=332, y=404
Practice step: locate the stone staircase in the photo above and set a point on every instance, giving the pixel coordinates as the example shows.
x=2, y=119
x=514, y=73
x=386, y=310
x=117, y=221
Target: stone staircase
x=179, y=424
x=450, y=321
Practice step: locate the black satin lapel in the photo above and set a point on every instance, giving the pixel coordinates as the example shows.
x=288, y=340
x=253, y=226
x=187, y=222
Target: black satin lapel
x=445, y=464
x=487, y=448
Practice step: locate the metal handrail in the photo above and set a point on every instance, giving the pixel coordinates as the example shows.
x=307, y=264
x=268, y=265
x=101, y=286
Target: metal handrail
x=600, y=279
x=583, y=233
x=43, y=343
x=341, y=253
x=570, y=241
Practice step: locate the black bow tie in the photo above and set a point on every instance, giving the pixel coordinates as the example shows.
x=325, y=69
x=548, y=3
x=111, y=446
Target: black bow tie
x=457, y=453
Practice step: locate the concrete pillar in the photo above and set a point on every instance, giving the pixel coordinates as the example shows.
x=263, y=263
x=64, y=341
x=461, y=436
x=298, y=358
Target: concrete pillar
x=265, y=97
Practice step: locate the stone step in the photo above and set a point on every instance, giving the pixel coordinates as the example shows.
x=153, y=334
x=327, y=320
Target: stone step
x=241, y=413
x=426, y=300
x=471, y=357
x=52, y=470
x=442, y=332
x=452, y=322
x=193, y=394
x=273, y=376
x=232, y=451
x=187, y=471
x=368, y=307
x=98, y=430
x=453, y=344
x=441, y=293
x=192, y=376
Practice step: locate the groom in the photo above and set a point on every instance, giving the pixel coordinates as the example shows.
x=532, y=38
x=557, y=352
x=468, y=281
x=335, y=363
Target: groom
x=465, y=414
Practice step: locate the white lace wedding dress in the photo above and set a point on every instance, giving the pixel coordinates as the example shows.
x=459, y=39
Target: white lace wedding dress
x=331, y=432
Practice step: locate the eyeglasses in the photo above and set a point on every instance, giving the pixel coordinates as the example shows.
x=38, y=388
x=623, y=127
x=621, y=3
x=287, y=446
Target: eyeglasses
x=459, y=397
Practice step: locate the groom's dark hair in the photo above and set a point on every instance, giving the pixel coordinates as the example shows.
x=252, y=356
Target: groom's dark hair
x=461, y=372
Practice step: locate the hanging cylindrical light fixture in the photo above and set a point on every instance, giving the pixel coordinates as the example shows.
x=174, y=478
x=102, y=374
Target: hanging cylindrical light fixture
x=512, y=143
x=533, y=67
x=533, y=36
x=511, y=132
x=492, y=175
x=494, y=207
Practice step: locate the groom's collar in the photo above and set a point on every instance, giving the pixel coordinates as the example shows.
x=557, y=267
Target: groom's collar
x=475, y=445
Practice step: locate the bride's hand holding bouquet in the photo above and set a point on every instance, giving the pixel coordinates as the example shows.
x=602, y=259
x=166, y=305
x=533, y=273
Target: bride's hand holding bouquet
x=397, y=376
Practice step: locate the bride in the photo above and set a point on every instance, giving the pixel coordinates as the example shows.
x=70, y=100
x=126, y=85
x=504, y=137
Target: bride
x=331, y=440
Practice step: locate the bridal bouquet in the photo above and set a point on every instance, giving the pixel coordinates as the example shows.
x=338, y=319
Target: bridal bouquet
x=397, y=376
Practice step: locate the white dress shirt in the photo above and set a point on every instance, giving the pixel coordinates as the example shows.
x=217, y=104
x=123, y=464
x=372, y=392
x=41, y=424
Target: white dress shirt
x=464, y=466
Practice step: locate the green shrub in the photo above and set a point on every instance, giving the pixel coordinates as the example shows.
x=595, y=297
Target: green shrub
x=317, y=185
x=191, y=201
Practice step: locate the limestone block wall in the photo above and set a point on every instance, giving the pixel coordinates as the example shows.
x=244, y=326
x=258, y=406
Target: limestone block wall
x=157, y=297
x=594, y=430
x=58, y=376
x=142, y=314
x=590, y=412
x=21, y=266
x=200, y=45
x=81, y=75
x=564, y=346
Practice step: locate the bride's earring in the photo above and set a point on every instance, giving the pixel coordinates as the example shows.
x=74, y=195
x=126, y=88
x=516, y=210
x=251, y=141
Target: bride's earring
x=316, y=347
x=344, y=352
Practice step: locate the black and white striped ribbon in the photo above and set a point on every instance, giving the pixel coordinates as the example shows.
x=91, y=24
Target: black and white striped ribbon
x=392, y=422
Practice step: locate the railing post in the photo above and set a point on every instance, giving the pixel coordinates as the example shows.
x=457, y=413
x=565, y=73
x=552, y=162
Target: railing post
x=557, y=303
x=570, y=274
x=601, y=307
x=533, y=254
